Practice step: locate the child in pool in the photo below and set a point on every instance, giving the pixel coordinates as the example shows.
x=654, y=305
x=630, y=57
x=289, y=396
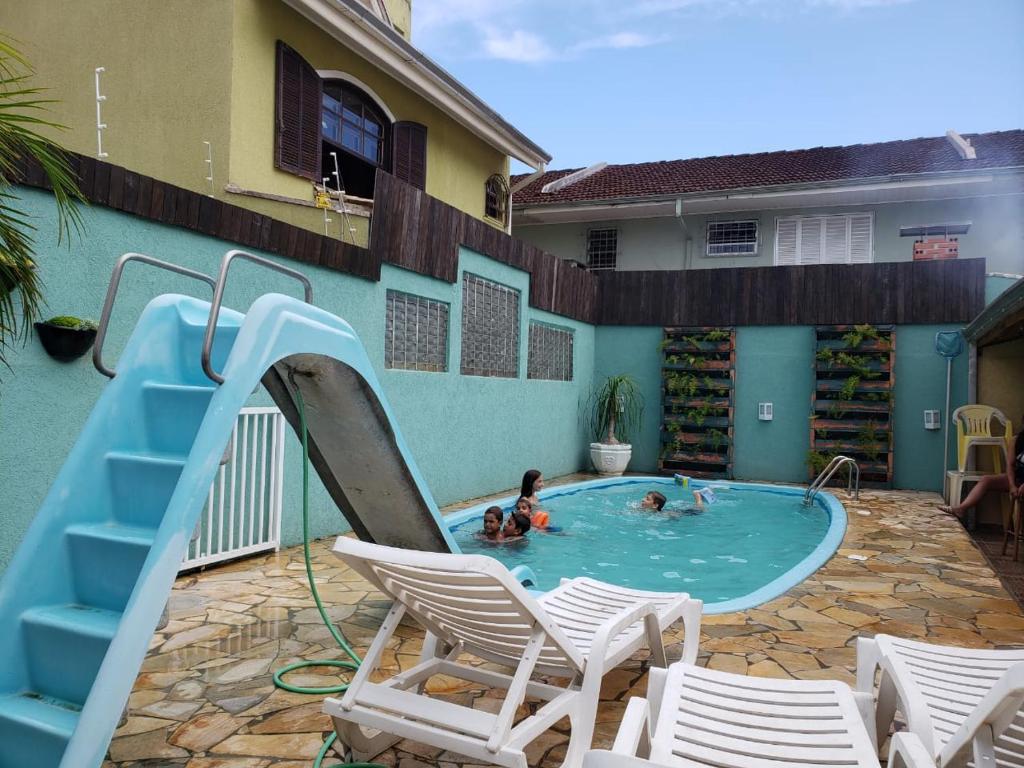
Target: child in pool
x=538, y=519
x=653, y=500
x=533, y=483
x=492, y=524
x=704, y=496
x=516, y=526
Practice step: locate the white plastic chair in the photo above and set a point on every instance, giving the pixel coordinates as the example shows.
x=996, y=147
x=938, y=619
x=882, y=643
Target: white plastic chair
x=963, y=703
x=471, y=604
x=702, y=717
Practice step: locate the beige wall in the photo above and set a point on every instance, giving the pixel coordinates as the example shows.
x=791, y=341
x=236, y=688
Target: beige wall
x=458, y=163
x=400, y=12
x=1001, y=385
x=167, y=78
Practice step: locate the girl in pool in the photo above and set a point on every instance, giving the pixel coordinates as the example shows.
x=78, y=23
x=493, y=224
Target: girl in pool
x=533, y=483
x=538, y=519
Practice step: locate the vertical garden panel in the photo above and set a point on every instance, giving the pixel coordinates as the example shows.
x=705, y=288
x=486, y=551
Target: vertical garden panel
x=852, y=406
x=698, y=378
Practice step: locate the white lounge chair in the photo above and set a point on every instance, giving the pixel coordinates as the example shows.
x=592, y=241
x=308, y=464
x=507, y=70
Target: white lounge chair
x=702, y=717
x=471, y=604
x=963, y=703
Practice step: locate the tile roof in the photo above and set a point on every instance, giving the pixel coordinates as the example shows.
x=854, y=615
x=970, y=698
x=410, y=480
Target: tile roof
x=764, y=169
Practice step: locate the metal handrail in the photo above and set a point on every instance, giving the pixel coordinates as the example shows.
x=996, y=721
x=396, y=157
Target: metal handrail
x=218, y=298
x=852, y=478
x=108, y=302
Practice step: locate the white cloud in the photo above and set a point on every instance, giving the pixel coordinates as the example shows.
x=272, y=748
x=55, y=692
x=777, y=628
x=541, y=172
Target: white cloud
x=516, y=46
x=618, y=40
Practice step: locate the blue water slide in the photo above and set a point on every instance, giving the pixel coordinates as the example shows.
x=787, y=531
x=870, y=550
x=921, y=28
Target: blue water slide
x=83, y=594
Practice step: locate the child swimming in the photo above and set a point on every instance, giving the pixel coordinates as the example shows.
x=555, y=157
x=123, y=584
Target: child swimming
x=492, y=524
x=538, y=519
x=516, y=526
x=653, y=500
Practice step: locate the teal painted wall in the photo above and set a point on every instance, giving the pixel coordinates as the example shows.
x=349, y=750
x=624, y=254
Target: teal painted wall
x=636, y=351
x=773, y=364
x=470, y=435
x=921, y=385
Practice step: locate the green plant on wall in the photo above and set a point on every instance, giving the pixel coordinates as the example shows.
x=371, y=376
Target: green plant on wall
x=818, y=460
x=21, y=117
x=868, y=440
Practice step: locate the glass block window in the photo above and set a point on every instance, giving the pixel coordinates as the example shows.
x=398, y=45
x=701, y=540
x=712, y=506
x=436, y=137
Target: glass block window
x=490, y=328
x=732, y=238
x=602, y=248
x=416, y=333
x=550, y=353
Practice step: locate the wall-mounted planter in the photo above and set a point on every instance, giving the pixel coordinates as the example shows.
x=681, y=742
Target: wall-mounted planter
x=65, y=344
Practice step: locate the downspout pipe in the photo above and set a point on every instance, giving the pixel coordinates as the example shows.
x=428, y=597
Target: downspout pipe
x=687, y=236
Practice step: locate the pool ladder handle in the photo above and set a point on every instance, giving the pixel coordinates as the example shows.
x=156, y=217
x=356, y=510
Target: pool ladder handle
x=852, y=478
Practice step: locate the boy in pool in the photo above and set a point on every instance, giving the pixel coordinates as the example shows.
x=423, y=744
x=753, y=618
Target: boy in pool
x=653, y=500
x=492, y=524
x=516, y=526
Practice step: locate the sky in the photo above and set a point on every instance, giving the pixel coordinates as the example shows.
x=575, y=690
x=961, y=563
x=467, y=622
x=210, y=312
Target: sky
x=645, y=80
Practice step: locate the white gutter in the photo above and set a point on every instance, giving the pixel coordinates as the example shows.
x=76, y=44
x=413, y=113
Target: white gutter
x=362, y=32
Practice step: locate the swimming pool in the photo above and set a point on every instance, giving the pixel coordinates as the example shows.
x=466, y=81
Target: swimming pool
x=755, y=542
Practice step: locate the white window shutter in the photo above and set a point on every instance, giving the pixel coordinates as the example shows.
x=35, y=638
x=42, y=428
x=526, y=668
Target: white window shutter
x=812, y=230
x=860, y=238
x=786, y=242
x=836, y=240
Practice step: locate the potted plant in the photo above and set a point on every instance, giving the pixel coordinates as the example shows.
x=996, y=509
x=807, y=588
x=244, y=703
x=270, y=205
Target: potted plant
x=616, y=410
x=66, y=338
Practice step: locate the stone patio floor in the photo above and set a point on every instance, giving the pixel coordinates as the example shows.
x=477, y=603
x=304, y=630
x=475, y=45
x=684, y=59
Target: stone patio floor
x=205, y=697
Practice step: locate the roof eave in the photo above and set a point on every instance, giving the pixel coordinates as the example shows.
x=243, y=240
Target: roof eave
x=738, y=192
x=360, y=30
x=1006, y=309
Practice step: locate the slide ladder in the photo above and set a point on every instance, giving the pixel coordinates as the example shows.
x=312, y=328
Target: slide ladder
x=82, y=596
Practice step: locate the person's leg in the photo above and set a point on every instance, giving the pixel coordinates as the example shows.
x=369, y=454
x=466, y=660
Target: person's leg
x=988, y=483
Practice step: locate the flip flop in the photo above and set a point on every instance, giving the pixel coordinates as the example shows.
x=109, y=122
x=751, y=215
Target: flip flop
x=949, y=511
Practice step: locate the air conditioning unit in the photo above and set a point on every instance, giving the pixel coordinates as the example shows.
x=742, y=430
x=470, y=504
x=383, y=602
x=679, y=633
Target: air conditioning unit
x=764, y=411
x=932, y=420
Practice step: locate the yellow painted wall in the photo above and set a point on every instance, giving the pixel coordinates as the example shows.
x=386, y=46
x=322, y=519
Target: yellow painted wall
x=458, y=163
x=1001, y=385
x=167, y=78
x=400, y=12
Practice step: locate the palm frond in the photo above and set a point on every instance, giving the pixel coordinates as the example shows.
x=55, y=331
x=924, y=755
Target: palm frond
x=22, y=114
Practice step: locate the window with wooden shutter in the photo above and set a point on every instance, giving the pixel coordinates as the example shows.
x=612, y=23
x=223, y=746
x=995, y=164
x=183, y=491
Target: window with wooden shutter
x=409, y=158
x=842, y=239
x=297, y=119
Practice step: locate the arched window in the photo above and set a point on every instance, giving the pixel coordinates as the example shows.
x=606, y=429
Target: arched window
x=354, y=129
x=496, y=196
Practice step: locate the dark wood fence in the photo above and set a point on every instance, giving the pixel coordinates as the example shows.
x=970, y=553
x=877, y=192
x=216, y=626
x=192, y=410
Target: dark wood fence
x=413, y=230
x=950, y=291
x=115, y=187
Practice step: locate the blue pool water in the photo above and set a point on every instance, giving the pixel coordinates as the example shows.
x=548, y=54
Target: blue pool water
x=752, y=544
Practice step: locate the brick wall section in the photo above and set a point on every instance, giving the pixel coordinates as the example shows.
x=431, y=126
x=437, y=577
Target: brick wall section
x=932, y=248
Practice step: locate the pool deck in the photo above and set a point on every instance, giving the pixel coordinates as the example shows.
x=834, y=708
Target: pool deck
x=205, y=698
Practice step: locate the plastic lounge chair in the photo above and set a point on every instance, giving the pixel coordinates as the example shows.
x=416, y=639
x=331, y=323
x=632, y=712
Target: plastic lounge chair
x=471, y=604
x=974, y=428
x=963, y=703
x=702, y=717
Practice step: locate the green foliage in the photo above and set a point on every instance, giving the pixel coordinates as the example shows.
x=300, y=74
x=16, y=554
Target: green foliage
x=867, y=438
x=817, y=461
x=21, y=119
x=68, y=321
x=616, y=409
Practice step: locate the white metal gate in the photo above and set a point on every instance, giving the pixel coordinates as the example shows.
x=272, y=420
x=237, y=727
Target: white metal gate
x=243, y=512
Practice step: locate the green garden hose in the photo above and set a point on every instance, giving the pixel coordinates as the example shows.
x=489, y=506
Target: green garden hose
x=338, y=636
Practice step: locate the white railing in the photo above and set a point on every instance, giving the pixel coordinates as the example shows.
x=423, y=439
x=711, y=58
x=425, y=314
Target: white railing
x=243, y=512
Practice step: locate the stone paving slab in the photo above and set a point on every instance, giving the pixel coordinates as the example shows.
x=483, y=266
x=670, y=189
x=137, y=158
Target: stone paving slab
x=205, y=697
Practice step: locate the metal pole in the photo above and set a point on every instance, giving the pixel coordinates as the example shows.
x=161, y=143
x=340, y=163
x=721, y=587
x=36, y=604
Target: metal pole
x=945, y=429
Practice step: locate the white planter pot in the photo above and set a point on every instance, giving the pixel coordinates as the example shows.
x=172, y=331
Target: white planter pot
x=610, y=459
